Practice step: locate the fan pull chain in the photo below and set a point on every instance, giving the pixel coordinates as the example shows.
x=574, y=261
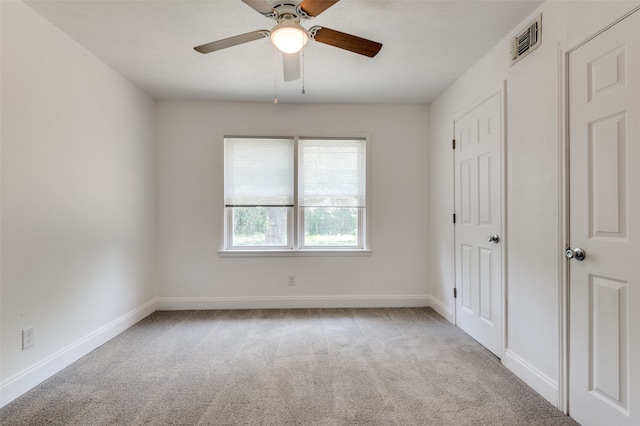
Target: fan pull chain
x=275, y=76
x=303, y=92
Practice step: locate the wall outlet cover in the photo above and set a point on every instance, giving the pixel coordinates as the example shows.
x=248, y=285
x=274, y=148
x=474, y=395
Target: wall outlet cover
x=28, y=337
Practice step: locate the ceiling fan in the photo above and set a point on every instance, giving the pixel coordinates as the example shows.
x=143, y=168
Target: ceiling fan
x=290, y=37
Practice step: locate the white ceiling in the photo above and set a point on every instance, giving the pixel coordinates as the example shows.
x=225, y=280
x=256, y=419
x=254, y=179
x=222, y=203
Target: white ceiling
x=427, y=45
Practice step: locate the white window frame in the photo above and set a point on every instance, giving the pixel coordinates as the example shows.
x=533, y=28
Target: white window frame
x=295, y=217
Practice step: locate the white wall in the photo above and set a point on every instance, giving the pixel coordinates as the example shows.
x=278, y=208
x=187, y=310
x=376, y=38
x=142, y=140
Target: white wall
x=190, y=209
x=534, y=174
x=77, y=200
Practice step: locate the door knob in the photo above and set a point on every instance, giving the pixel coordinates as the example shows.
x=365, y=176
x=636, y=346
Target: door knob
x=577, y=253
x=493, y=238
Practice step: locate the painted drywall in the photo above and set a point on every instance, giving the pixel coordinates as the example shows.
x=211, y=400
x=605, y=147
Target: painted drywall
x=534, y=178
x=190, y=209
x=77, y=200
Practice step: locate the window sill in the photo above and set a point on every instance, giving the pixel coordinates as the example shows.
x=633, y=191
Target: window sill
x=295, y=253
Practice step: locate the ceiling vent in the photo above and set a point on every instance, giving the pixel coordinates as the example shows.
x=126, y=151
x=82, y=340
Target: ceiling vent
x=527, y=40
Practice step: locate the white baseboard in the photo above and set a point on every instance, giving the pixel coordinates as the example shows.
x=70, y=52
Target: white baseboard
x=292, y=302
x=22, y=382
x=532, y=377
x=441, y=308
x=36, y=374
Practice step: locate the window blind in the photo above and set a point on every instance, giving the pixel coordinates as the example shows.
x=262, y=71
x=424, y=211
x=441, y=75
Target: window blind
x=332, y=172
x=258, y=172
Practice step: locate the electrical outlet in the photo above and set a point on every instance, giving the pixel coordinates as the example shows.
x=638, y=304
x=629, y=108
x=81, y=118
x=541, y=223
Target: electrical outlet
x=28, y=335
x=292, y=280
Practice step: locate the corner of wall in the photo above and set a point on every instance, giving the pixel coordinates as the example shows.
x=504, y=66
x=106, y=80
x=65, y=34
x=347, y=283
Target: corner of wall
x=442, y=308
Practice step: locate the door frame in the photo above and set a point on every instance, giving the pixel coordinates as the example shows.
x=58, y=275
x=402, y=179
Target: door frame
x=501, y=91
x=563, y=52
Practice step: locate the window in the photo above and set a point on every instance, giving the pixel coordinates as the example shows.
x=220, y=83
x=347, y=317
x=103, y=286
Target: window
x=263, y=211
x=258, y=192
x=331, y=192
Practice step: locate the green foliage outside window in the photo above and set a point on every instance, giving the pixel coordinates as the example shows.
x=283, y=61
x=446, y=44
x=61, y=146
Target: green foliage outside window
x=330, y=226
x=260, y=226
x=267, y=226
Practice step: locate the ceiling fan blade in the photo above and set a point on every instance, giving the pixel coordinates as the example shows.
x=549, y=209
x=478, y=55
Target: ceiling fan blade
x=316, y=7
x=291, y=62
x=261, y=6
x=232, y=41
x=345, y=41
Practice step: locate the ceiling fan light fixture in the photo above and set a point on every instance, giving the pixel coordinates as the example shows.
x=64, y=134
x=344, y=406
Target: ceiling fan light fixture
x=289, y=36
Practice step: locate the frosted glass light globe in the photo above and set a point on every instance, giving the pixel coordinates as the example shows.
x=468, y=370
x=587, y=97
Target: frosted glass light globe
x=289, y=36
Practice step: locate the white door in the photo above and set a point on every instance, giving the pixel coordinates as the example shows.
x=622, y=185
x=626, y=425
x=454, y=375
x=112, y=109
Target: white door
x=478, y=210
x=604, y=288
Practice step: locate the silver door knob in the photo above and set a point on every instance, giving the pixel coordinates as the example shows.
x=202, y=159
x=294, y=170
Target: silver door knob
x=493, y=238
x=577, y=253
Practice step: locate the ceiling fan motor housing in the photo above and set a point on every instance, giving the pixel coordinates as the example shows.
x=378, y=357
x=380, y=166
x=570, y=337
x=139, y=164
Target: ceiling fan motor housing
x=289, y=10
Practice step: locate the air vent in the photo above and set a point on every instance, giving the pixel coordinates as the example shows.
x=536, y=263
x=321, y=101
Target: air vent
x=527, y=40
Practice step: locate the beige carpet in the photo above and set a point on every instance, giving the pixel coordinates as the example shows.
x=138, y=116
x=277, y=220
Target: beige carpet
x=286, y=367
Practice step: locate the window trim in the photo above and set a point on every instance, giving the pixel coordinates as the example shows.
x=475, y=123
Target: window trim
x=295, y=222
